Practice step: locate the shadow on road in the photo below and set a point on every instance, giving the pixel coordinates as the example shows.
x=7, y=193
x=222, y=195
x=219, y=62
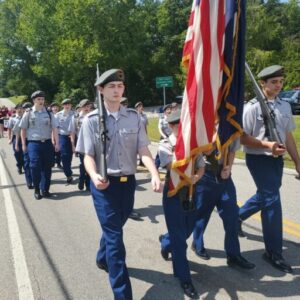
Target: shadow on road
x=151, y=212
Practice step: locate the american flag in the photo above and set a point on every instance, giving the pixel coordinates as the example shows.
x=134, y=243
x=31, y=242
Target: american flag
x=203, y=56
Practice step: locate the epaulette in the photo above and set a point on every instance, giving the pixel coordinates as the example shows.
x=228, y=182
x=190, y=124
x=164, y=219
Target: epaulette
x=253, y=101
x=131, y=110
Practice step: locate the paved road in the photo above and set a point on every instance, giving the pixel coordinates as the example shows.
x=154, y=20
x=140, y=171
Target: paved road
x=59, y=238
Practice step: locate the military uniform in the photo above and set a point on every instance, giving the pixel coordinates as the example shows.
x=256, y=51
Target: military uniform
x=66, y=153
x=26, y=158
x=13, y=122
x=267, y=170
x=39, y=126
x=142, y=115
x=57, y=155
x=126, y=135
x=164, y=129
x=74, y=127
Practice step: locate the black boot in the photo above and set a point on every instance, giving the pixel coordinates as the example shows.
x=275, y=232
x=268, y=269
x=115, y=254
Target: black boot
x=239, y=261
x=37, y=194
x=277, y=261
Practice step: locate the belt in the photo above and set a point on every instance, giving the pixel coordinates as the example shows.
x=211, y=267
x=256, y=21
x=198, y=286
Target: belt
x=123, y=178
x=38, y=141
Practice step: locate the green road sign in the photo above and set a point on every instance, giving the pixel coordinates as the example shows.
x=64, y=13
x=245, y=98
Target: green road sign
x=166, y=81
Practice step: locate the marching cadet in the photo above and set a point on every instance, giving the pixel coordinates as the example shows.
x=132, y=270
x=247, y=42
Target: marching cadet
x=114, y=199
x=140, y=109
x=266, y=169
x=18, y=147
x=54, y=107
x=37, y=126
x=74, y=128
x=179, y=215
x=12, y=130
x=163, y=128
x=63, y=118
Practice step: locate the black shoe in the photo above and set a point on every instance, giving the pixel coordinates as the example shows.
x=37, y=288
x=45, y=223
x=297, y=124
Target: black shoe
x=20, y=171
x=102, y=266
x=189, y=290
x=59, y=166
x=202, y=254
x=239, y=261
x=277, y=261
x=240, y=230
x=80, y=186
x=135, y=215
x=37, y=195
x=164, y=253
x=46, y=194
x=69, y=179
x=30, y=186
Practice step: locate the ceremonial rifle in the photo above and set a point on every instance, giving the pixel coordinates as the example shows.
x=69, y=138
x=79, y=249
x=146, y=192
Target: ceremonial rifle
x=268, y=115
x=102, y=132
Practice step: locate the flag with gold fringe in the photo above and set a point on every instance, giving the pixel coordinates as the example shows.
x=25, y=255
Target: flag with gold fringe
x=210, y=57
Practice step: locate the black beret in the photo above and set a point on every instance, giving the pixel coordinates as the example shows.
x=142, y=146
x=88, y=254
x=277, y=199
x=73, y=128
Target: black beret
x=19, y=105
x=109, y=76
x=174, y=117
x=84, y=102
x=27, y=105
x=166, y=107
x=66, y=101
x=138, y=104
x=54, y=104
x=270, y=72
x=37, y=94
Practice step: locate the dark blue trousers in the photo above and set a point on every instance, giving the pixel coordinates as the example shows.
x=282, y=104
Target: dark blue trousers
x=66, y=154
x=27, y=169
x=266, y=172
x=57, y=157
x=41, y=156
x=180, y=224
x=18, y=154
x=113, y=206
x=211, y=193
x=83, y=175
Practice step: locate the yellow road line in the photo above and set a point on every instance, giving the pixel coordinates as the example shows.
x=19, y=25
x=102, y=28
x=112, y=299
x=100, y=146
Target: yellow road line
x=288, y=226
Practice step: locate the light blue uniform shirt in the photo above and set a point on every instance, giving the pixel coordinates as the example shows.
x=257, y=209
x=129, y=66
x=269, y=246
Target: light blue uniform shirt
x=126, y=135
x=253, y=122
x=164, y=126
x=166, y=153
x=63, y=121
x=38, y=124
x=13, y=124
x=75, y=123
